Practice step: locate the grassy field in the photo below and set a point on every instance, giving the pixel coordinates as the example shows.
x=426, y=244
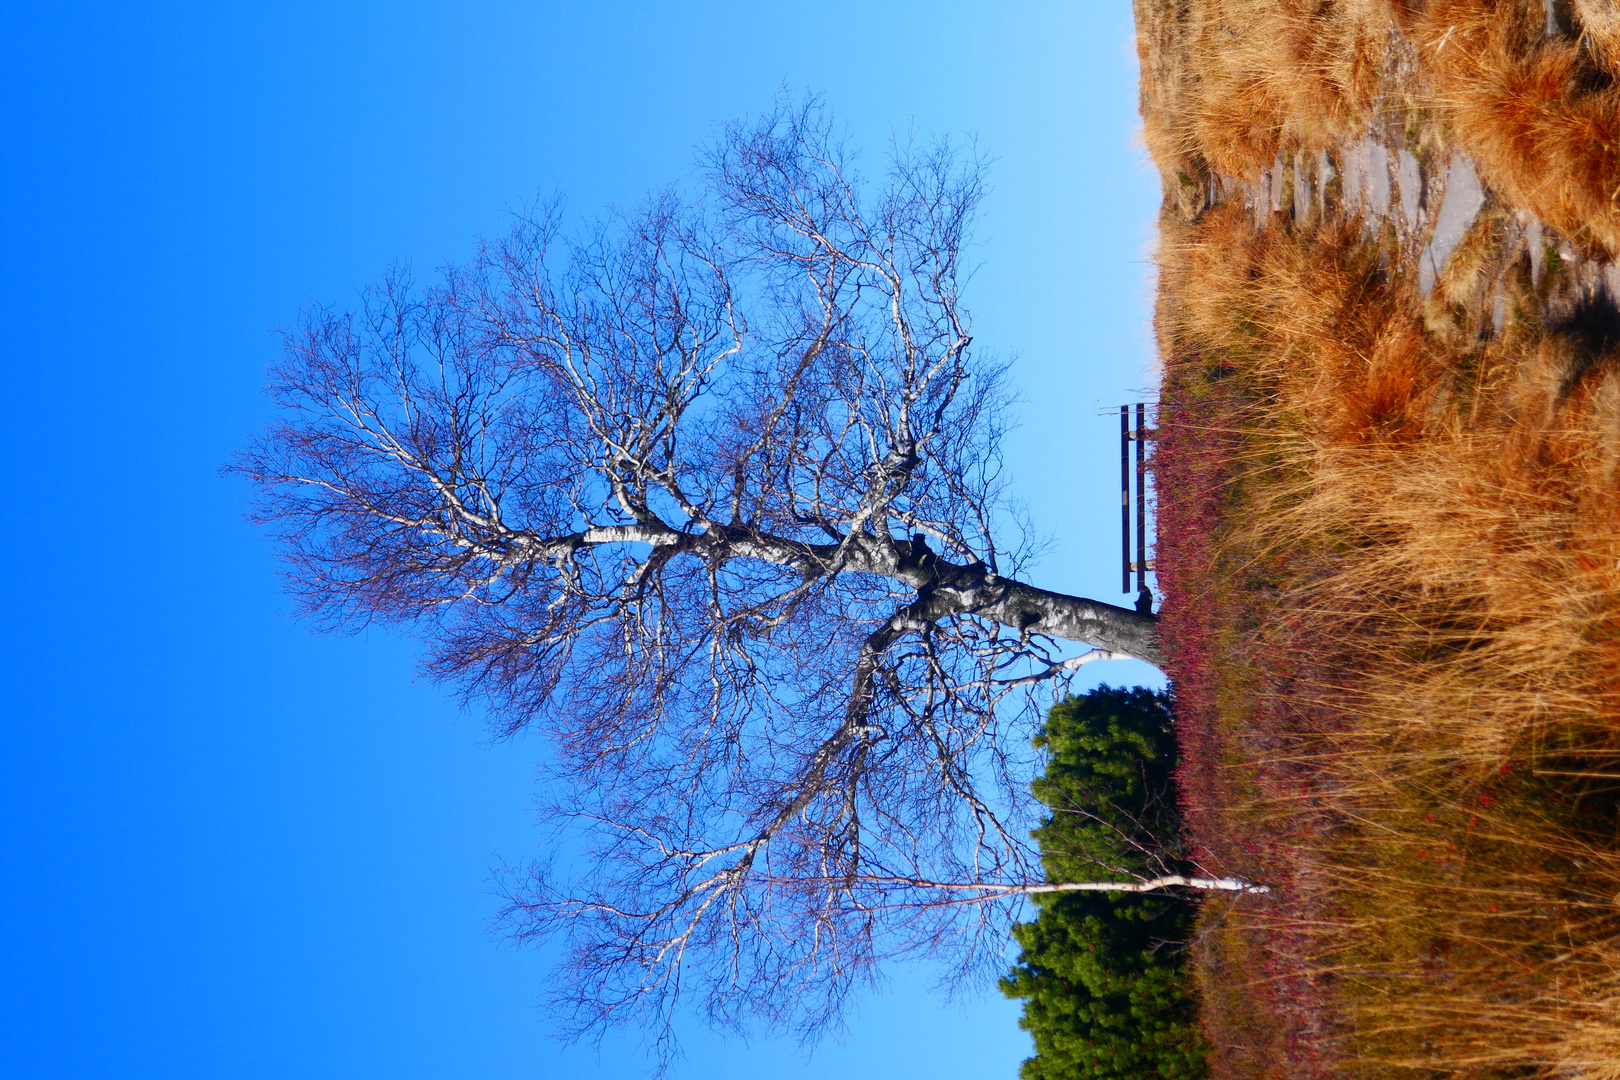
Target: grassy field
x=1390, y=527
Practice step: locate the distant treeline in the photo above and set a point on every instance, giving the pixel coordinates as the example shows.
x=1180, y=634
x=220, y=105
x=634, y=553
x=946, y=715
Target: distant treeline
x=1102, y=975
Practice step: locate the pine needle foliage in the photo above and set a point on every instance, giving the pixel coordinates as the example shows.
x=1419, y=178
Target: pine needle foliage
x=1102, y=975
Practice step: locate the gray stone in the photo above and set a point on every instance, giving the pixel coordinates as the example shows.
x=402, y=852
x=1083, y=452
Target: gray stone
x=1462, y=202
x=1324, y=173
x=1611, y=281
x=1302, y=189
x=1353, y=172
x=1411, y=181
x=1377, y=182
x=1538, y=252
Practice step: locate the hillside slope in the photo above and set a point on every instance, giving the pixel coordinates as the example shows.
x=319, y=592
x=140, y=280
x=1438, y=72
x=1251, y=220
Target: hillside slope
x=1389, y=484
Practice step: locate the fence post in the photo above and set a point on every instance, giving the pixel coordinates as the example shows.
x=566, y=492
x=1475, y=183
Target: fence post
x=1141, y=498
x=1125, y=493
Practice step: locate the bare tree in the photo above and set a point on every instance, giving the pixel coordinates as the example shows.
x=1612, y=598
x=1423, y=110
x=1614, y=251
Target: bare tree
x=713, y=495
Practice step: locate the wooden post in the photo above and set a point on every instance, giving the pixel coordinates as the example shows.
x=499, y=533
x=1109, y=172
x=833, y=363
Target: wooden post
x=1141, y=498
x=1125, y=493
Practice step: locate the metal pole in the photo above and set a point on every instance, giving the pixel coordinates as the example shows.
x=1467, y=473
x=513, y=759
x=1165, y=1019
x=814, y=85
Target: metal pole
x=1141, y=498
x=1125, y=493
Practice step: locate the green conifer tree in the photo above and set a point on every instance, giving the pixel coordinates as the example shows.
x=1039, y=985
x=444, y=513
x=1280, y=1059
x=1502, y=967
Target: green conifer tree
x=1102, y=975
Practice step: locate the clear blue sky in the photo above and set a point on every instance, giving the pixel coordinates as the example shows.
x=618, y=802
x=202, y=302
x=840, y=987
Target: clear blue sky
x=232, y=848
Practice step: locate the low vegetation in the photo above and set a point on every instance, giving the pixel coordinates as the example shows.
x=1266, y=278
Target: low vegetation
x=1228, y=85
x=1391, y=602
x=1103, y=975
x=1390, y=539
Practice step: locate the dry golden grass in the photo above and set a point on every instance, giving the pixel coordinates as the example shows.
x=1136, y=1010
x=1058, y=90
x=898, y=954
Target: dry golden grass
x=1540, y=114
x=1228, y=84
x=1393, y=603
x=1437, y=521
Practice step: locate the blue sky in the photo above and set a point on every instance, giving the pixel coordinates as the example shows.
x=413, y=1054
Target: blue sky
x=233, y=848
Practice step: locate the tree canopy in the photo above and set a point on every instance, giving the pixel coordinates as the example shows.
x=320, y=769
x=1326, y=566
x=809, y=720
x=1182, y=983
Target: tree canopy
x=1102, y=975
x=711, y=493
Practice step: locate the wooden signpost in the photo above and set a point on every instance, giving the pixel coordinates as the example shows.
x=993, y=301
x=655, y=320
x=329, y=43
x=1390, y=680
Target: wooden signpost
x=1140, y=434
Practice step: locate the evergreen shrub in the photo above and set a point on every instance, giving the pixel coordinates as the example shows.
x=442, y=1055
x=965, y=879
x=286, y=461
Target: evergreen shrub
x=1102, y=975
